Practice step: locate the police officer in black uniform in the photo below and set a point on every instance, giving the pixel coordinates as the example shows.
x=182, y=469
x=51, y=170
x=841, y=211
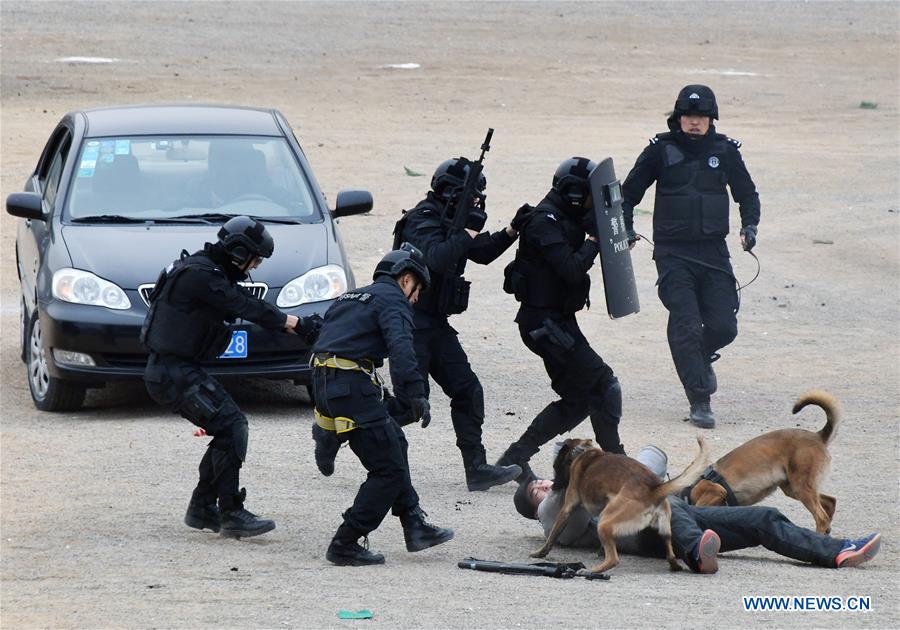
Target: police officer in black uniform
x=428, y=226
x=549, y=276
x=192, y=299
x=691, y=165
x=361, y=329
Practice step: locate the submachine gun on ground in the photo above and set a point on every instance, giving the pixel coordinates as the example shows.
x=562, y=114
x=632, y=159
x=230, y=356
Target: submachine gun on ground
x=456, y=212
x=561, y=570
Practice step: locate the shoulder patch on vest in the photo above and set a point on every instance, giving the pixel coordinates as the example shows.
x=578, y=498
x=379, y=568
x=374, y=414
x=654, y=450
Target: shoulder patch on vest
x=358, y=296
x=736, y=143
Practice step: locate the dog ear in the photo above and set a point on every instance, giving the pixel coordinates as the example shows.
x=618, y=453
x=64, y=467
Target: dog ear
x=707, y=493
x=561, y=465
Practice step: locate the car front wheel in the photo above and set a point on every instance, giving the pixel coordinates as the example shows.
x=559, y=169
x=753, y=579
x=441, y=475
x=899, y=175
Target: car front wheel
x=47, y=392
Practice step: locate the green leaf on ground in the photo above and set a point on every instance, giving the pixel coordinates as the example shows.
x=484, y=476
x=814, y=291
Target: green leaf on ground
x=412, y=173
x=359, y=614
x=822, y=241
x=868, y=105
x=642, y=211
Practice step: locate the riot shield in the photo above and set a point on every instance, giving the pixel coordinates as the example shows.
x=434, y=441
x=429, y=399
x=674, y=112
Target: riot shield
x=615, y=257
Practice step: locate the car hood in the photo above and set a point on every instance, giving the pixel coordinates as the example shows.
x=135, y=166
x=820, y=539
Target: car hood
x=134, y=255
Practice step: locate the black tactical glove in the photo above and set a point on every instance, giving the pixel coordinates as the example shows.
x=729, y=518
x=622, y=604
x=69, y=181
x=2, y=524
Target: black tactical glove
x=420, y=408
x=522, y=215
x=308, y=328
x=476, y=219
x=632, y=237
x=748, y=236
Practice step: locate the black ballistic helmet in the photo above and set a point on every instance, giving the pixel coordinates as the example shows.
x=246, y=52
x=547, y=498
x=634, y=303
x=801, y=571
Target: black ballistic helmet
x=450, y=176
x=243, y=238
x=399, y=261
x=571, y=180
x=696, y=99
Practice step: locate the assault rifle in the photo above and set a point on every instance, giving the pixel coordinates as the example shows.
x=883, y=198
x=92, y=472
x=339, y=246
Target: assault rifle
x=561, y=570
x=460, y=213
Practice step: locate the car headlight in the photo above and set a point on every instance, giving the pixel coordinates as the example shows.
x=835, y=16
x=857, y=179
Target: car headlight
x=83, y=287
x=321, y=283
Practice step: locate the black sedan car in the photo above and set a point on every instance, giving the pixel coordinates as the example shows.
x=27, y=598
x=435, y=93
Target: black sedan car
x=118, y=193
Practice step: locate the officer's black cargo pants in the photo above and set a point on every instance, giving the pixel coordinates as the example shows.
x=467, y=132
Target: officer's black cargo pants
x=702, y=304
x=187, y=389
x=440, y=355
x=585, y=383
x=378, y=442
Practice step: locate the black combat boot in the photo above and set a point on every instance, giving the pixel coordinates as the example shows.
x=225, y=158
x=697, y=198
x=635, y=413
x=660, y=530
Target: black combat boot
x=701, y=413
x=480, y=475
x=327, y=446
x=419, y=533
x=202, y=512
x=345, y=551
x=238, y=522
x=545, y=426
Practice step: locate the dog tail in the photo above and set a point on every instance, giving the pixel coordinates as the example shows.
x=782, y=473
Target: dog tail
x=829, y=404
x=688, y=476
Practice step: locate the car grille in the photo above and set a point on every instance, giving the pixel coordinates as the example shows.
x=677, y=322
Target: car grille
x=257, y=289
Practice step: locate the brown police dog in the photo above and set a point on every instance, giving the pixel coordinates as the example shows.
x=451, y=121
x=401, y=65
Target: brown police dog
x=794, y=460
x=636, y=497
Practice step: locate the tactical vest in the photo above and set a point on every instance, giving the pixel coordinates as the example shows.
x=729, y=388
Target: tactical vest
x=533, y=282
x=691, y=199
x=449, y=292
x=195, y=335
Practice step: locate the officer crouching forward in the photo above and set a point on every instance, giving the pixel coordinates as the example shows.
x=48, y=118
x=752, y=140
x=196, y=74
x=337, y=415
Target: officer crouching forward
x=361, y=329
x=186, y=325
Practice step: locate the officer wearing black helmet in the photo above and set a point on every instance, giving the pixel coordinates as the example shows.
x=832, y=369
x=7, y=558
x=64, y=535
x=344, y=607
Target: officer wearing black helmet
x=361, y=329
x=549, y=276
x=691, y=165
x=193, y=299
x=447, y=249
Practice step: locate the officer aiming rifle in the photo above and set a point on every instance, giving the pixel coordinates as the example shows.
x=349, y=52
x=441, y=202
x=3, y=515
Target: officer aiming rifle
x=447, y=227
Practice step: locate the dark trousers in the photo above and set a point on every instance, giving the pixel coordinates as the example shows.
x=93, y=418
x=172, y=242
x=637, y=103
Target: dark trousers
x=440, y=355
x=188, y=390
x=702, y=304
x=752, y=526
x=378, y=442
x=585, y=384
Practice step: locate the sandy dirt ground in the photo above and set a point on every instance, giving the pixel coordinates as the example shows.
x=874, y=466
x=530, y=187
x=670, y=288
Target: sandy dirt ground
x=92, y=501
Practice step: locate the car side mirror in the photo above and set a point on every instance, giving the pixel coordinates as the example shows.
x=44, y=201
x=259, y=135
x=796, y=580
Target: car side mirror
x=352, y=202
x=27, y=205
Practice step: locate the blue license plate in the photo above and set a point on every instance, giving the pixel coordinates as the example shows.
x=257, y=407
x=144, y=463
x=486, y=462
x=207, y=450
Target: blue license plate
x=237, y=347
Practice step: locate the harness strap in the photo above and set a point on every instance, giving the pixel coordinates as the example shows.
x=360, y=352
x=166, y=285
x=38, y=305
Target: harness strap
x=339, y=425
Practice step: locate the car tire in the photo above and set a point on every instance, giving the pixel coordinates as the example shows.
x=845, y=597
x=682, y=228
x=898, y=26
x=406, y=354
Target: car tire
x=47, y=392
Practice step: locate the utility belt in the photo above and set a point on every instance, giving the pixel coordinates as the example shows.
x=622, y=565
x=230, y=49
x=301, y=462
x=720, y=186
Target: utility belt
x=343, y=424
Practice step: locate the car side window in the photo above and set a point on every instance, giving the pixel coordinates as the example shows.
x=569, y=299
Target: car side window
x=50, y=182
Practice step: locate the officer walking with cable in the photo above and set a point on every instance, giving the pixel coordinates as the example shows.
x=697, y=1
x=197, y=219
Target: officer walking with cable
x=190, y=303
x=361, y=329
x=691, y=165
x=448, y=240
x=549, y=277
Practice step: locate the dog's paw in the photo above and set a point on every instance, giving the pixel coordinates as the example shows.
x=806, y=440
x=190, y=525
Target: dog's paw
x=674, y=566
x=540, y=553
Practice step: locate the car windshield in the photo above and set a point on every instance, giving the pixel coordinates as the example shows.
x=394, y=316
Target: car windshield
x=189, y=178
